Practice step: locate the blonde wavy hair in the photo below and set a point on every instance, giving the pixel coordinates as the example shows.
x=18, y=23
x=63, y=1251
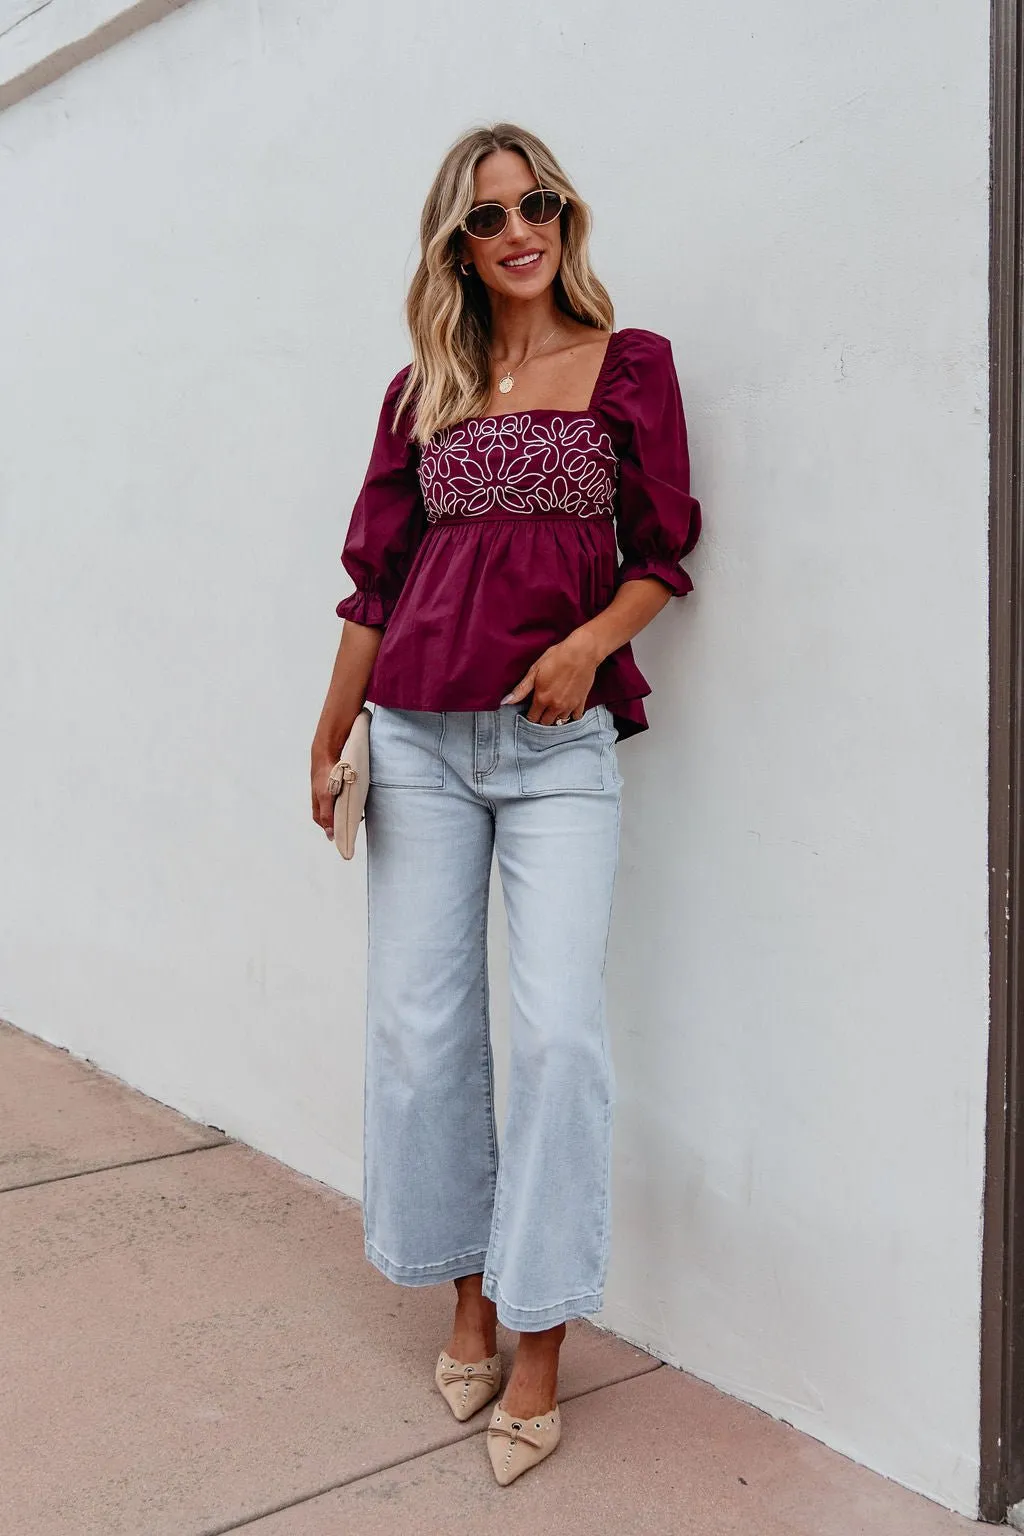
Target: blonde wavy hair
x=448, y=313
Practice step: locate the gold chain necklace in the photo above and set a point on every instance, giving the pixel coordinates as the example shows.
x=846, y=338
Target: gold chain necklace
x=507, y=380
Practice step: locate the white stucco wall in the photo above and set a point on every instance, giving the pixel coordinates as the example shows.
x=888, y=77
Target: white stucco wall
x=206, y=236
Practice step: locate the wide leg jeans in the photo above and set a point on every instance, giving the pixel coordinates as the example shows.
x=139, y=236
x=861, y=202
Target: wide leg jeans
x=448, y=790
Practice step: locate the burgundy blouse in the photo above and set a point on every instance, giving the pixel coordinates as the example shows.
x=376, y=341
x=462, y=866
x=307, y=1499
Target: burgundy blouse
x=498, y=537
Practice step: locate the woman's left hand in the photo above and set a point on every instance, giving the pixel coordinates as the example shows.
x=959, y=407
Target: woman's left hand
x=560, y=680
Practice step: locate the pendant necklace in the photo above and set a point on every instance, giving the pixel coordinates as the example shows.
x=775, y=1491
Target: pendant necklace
x=507, y=380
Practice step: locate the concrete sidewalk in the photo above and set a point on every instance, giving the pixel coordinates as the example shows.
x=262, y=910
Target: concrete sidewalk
x=193, y=1343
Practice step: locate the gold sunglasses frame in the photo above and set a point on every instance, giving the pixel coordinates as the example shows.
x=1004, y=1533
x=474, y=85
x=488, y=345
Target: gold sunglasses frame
x=516, y=208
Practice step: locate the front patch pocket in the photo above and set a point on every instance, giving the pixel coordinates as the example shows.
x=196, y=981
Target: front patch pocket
x=568, y=758
x=405, y=748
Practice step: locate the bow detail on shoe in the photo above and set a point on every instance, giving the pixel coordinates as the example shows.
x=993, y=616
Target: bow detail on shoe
x=457, y=1372
x=529, y=1431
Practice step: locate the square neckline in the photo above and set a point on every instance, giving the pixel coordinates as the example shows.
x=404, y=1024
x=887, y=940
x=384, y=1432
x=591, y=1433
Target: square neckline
x=555, y=410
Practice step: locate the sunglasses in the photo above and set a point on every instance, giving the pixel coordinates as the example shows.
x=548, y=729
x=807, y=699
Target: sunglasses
x=487, y=220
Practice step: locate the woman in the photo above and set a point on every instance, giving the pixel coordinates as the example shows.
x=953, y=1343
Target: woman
x=490, y=627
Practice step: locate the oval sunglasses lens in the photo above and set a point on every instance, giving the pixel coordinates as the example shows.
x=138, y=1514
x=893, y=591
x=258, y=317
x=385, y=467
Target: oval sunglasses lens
x=540, y=207
x=486, y=221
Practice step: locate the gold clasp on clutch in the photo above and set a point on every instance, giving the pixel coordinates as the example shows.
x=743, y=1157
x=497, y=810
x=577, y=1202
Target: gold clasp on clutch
x=340, y=775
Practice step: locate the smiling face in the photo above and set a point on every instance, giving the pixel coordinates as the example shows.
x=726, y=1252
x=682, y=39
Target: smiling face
x=524, y=259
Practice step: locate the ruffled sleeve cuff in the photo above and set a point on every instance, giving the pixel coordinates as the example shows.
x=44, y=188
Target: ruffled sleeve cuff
x=674, y=577
x=366, y=608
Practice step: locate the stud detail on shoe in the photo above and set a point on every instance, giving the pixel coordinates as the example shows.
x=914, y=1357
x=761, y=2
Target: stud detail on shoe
x=514, y=1447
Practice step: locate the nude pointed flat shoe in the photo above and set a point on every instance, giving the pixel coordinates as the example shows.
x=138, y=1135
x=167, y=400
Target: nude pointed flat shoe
x=466, y=1388
x=516, y=1445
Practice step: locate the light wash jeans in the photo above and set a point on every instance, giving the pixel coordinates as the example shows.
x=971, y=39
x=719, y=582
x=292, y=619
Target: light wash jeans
x=447, y=789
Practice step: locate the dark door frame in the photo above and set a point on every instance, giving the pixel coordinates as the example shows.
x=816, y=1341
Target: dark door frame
x=1002, y=1306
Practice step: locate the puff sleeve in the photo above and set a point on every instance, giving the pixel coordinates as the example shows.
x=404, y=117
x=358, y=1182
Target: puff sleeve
x=387, y=520
x=658, y=521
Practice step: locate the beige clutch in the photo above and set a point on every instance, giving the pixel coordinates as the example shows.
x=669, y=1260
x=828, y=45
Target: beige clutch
x=349, y=781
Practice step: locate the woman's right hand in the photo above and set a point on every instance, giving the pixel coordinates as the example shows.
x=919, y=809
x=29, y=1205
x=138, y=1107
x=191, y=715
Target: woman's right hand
x=321, y=763
x=357, y=651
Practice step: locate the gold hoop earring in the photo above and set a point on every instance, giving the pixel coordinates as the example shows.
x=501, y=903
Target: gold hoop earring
x=464, y=269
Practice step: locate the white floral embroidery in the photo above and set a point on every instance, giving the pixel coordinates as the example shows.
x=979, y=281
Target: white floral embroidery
x=520, y=464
